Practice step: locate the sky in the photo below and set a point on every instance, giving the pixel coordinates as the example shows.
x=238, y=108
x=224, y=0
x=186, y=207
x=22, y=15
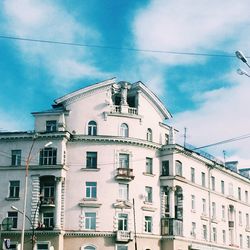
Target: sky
x=159, y=42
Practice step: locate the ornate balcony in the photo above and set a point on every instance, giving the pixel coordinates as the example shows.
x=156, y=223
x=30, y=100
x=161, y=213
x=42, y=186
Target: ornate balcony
x=47, y=202
x=123, y=236
x=124, y=174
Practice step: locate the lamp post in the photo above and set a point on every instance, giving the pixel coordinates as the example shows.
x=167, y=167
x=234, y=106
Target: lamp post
x=27, y=163
x=243, y=58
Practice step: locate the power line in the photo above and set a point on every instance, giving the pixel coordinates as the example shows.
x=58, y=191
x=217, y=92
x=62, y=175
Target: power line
x=116, y=48
x=242, y=137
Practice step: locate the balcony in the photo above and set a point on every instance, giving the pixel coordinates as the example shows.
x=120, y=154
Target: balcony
x=171, y=227
x=47, y=202
x=124, y=174
x=123, y=236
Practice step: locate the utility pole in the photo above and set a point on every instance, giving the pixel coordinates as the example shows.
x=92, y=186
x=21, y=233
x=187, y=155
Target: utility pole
x=134, y=224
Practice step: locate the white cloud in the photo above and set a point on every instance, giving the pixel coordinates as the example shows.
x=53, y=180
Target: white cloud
x=47, y=21
x=224, y=114
x=189, y=26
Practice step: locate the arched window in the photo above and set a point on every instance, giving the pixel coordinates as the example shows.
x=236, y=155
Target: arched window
x=149, y=134
x=88, y=248
x=124, y=130
x=178, y=168
x=92, y=128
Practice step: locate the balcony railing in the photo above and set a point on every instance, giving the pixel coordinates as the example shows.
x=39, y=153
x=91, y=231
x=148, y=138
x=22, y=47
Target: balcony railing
x=123, y=236
x=47, y=201
x=171, y=227
x=116, y=109
x=124, y=174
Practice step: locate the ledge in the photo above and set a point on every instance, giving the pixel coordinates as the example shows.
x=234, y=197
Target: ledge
x=89, y=203
x=12, y=199
x=91, y=169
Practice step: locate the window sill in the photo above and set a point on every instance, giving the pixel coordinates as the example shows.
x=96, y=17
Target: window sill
x=91, y=169
x=12, y=198
x=148, y=174
x=193, y=211
x=89, y=199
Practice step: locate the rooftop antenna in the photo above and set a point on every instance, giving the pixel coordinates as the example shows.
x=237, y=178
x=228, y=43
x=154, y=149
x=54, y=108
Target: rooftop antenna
x=224, y=155
x=185, y=137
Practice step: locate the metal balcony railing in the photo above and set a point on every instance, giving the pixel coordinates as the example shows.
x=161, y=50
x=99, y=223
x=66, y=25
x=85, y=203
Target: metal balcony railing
x=124, y=173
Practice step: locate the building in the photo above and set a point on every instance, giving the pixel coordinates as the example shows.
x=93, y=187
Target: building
x=114, y=178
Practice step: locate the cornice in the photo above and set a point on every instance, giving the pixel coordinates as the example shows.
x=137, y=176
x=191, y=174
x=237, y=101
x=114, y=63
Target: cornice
x=116, y=139
x=89, y=234
x=30, y=135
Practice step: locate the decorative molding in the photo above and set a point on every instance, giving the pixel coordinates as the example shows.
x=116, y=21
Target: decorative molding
x=149, y=208
x=123, y=205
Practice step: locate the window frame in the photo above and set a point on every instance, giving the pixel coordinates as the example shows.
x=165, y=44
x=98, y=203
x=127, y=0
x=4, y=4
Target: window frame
x=149, y=135
x=91, y=190
x=16, y=157
x=90, y=221
x=14, y=190
x=122, y=221
x=148, y=224
x=124, y=161
x=124, y=130
x=148, y=194
x=51, y=125
x=92, y=128
x=48, y=156
x=14, y=216
x=149, y=165
x=91, y=159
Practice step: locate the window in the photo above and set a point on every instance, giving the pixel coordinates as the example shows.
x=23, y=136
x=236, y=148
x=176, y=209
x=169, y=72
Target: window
x=91, y=160
x=48, y=220
x=247, y=220
x=213, y=210
x=240, y=218
x=92, y=128
x=192, y=174
x=224, y=236
x=89, y=248
x=13, y=216
x=204, y=232
x=123, y=192
x=48, y=190
x=214, y=234
x=51, y=126
x=193, y=229
x=166, y=139
x=203, y=179
x=223, y=212
x=149, y=195
x=149, y=165
x=122, y=222
x=248, y=241
x=222, y=187
x=165, y=168
x=42, y=246
x=148, y=224
x=91, y=190
x=192, y=202
x=123, y=160
x=90, y=221
x=121, y=247
x=241, y=241
x=246, y=196
x=124, y=130
x=204, y=207
x=231, y=189
x=14, y=188
x=213, y=183
x=16, y=157
x=149, y=134
x=239, y=193
x=178, y=168
x=48, y=156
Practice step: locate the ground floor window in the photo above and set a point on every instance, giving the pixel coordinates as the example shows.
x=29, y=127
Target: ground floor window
x=42, y=246
x=121, y=247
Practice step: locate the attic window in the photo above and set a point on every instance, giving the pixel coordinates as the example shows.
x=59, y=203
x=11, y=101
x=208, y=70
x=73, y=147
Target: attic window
x=51, y=126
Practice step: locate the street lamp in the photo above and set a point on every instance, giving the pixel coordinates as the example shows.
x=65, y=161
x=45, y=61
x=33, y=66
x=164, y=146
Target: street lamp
x=243, y=58
x=31, y=223
x=27, y=163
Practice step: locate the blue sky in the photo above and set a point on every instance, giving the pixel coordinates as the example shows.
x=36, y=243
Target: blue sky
x=203, y=93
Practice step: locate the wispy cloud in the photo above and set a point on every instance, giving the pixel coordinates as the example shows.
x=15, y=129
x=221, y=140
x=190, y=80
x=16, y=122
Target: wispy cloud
x=49, y=21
